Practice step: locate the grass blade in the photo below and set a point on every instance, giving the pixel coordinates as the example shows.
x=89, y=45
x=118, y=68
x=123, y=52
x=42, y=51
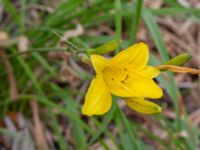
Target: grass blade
x=136, y=20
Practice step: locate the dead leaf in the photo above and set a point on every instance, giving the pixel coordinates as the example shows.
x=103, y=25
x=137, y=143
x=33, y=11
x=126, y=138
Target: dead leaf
x=3, y=37
x=23, y=43
x=73, y=33
x=13, y=90
x=38, y=131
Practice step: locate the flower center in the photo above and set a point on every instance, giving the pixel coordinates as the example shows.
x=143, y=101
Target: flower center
x=115, y=76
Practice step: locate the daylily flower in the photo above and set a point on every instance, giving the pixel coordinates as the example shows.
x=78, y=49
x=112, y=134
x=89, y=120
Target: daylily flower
x=125, y=75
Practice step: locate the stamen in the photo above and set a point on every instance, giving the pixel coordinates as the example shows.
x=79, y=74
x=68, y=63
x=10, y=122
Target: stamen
x=123, y=82
x=127, y=77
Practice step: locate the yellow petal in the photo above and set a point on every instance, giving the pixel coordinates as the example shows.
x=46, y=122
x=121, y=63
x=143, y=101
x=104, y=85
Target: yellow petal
x=137, y=56
x=150, y=71
x=98, y=62
x=98, y=99
x=125, y=82
x=145, y=87
x=143, y=106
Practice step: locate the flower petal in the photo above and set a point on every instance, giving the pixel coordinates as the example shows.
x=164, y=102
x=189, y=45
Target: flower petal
x=98, y=62
x=142, y=106
x=143, y=86
x=137, y=56
x=98, y=99
x=150, y=71
x=125, y=82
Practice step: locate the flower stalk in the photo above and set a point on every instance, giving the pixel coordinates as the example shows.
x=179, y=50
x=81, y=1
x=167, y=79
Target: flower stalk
x=178, y=69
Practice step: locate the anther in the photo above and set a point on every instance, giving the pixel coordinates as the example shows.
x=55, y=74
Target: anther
x=123, y=82
x=127, y=76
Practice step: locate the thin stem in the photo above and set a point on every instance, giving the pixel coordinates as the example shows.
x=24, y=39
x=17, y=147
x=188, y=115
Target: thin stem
x=33, y=50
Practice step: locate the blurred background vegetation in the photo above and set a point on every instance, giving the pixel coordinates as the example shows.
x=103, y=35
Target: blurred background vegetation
x=41, y=93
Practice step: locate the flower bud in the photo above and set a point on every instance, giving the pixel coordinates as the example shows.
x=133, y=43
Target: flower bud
x=178, y=69
x=105, y=48
x=84, y=58
x=179, y=60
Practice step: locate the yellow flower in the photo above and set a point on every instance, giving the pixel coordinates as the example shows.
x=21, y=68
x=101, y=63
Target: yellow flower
x=126, y=75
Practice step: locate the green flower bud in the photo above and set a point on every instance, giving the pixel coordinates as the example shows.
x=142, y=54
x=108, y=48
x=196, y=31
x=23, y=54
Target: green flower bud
x=105, y=48
x=84, y=58
x=179, y=60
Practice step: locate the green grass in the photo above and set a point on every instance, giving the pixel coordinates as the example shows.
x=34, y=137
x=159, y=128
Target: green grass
x=91, y=14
